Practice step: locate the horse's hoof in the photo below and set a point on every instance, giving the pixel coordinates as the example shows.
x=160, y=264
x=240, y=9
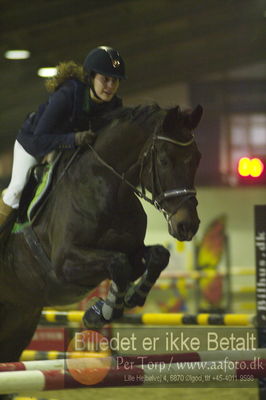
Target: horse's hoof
x=93, y=316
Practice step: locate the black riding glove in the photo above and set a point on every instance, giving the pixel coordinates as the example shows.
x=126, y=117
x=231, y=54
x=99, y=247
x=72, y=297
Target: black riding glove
x=84, y=138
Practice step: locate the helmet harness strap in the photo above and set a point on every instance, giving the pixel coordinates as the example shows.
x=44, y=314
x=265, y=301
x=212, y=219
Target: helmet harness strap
x=91, y=86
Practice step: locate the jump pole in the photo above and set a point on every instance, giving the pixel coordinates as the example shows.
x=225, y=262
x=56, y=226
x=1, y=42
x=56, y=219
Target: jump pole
x=234, y=355
x=170, y=319
x=34, y=355
x=19, y=381
x=161, y=374
x=30, y=398
x=260, y=254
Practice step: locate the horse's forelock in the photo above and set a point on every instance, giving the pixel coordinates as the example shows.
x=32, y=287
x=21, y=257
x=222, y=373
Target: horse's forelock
x=187, y=119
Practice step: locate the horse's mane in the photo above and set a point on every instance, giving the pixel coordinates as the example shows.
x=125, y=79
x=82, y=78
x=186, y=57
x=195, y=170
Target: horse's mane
x=138, y=114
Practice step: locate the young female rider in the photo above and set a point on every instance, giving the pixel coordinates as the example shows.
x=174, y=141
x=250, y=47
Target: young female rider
x=81, y=96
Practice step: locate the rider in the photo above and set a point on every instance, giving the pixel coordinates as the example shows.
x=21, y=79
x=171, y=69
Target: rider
x=81, y=96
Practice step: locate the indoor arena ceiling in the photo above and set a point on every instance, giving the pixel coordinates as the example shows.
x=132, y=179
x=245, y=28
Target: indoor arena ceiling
x=163, y=42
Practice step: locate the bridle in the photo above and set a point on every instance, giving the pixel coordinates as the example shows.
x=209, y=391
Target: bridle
x=184, y=193
x=156, y=200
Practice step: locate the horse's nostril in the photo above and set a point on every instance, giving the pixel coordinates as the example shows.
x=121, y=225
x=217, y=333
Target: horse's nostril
x=186, y=231
x=183, y=228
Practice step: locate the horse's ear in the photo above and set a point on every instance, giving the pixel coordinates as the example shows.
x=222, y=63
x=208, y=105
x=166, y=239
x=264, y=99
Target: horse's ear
x=171, y=119
x=194, y=118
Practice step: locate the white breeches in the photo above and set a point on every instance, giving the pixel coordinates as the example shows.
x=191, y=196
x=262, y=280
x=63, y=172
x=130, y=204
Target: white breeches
x=22, y=162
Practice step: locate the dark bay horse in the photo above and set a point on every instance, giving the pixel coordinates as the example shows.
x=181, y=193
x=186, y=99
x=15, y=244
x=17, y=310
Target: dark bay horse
x=93, y=225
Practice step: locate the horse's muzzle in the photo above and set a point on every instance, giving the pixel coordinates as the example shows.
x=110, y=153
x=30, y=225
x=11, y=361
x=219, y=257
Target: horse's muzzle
x=184, y=224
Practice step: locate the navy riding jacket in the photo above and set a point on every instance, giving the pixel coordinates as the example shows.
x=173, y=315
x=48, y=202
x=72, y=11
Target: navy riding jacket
x=68, y=110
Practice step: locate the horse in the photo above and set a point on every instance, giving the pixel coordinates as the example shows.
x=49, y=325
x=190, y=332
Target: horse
x=92, y=226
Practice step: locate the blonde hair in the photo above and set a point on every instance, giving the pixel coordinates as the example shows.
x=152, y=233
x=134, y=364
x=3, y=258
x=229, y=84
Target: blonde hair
x=65, y=70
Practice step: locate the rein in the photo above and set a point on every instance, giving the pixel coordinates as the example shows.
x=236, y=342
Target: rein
x=121, y=176
x=155, y=200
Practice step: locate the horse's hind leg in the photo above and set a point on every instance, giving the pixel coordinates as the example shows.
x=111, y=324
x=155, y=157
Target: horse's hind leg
x=17, y=326
x=156, y=259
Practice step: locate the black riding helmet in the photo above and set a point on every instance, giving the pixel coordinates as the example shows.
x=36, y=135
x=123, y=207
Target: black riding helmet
x=106, y=61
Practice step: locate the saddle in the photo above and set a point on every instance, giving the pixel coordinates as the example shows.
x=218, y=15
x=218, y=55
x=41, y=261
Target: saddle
x=36, y=190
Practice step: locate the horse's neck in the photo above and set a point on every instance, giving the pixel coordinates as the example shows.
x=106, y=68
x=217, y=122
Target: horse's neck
x=122, y=146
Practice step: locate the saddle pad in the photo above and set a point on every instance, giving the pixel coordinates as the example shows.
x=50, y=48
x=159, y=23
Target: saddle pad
x=43, y=188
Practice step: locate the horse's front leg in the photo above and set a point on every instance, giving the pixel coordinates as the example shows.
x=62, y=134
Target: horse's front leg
x=89, y=268
x=120, y=271
x=156, y=259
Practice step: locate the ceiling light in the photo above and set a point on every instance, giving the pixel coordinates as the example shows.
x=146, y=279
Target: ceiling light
x=17, y=54
x=47, y=72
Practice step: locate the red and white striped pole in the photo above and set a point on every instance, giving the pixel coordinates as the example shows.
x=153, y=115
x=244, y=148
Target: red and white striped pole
x=42, y=365
x=159, y=373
